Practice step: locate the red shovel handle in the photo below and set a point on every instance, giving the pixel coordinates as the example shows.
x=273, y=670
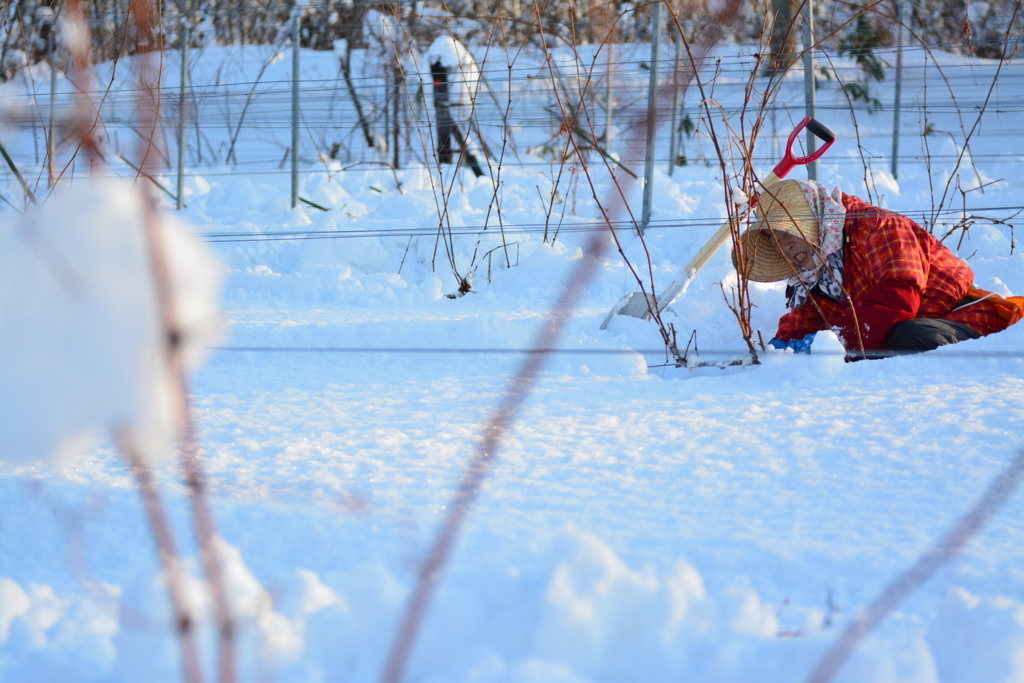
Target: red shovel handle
x=789, y=161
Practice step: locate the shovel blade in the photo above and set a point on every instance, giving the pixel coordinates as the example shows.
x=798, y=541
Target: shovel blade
x=633, y=305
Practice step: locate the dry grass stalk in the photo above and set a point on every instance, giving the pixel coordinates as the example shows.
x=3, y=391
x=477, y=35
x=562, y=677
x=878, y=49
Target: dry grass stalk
x=148, y=26
x=169, y=557
x=519, y=388
x=945, y=549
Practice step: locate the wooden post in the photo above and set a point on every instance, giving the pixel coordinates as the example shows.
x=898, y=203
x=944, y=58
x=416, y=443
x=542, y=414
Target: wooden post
x=442, y=114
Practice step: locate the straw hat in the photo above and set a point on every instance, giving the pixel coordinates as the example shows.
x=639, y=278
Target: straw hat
x=781, y=207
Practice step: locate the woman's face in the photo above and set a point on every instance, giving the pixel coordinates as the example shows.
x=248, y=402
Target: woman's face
x=794, y=249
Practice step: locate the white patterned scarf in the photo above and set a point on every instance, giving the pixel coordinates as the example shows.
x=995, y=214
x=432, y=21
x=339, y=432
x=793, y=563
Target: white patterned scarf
x=828, y=209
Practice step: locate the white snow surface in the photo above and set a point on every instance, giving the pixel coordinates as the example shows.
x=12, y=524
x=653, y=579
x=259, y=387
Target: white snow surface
x=640, y=523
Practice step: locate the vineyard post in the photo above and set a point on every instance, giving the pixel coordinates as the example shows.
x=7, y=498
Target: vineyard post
x=809, y=94
x=51, y=143
x=674, y=132
x=608, y=97
x=652, y=110
x=182, y=104
x=900, y=13
x=295, y=107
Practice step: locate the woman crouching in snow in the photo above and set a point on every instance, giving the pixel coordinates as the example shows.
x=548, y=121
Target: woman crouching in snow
x=879, y=280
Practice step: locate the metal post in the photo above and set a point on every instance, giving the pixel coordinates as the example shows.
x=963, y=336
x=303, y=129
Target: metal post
x=652, y=110
x=809, y=95
x=608, y=98
x=182, y=105
x=295, y=107
x=51, y=143
x=673, y=144
x=900, y=17
x=396, y=103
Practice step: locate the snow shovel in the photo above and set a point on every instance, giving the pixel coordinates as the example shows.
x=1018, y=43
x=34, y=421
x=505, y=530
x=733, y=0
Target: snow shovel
x=636, y=305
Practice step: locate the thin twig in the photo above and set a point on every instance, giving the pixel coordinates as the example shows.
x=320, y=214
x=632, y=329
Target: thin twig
x=494, y=432
x=150, y=178
x=945, y=549
x=169, y=557
x=206, y=532
x=245, y=107
x=17, y=174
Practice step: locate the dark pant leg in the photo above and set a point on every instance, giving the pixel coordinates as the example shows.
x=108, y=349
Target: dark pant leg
x=925, y=334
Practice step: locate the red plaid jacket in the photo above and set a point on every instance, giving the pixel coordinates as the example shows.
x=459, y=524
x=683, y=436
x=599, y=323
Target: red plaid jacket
x=893, y=270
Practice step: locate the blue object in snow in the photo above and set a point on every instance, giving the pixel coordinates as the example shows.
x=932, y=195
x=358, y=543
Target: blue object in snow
x=798, y=345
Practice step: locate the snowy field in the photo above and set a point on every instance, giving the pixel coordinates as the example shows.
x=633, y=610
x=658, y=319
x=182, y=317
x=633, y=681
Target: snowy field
x=641, y=522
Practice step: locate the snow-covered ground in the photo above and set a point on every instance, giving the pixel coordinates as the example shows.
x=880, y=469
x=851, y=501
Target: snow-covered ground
x=641, y=523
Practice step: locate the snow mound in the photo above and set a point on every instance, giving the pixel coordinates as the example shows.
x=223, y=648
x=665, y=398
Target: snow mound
x=96, y=358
